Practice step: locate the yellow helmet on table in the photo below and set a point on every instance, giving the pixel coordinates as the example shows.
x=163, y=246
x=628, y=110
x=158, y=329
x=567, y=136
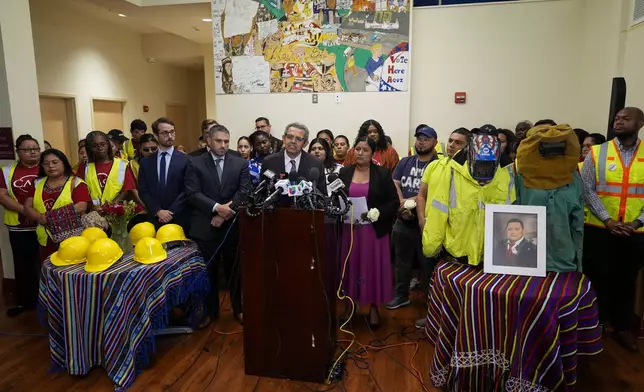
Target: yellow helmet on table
x=171, y=232
x=142, y=230
x=93, y=233
x=71, y=251
x=149, y=251
x=102, y=254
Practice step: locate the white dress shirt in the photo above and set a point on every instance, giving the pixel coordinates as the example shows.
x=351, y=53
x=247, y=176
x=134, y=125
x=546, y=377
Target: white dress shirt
x=167, y=161
x=287, y=162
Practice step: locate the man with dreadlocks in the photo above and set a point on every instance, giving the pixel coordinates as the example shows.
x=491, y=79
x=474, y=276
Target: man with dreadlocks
x=106, y=176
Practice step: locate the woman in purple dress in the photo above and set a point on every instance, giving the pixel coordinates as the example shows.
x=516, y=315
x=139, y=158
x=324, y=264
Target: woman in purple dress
x=368, y=277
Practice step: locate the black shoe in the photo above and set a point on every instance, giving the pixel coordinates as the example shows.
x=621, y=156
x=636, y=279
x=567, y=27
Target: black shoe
x=16, y=311
x=626, y=340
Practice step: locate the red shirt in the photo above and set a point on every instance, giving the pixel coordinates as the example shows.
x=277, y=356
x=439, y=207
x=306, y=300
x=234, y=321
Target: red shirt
x=103, y=170
x=22, y=185
x=79, y=194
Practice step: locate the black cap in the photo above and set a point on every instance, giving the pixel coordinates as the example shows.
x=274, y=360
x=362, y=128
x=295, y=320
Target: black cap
x=117, y=135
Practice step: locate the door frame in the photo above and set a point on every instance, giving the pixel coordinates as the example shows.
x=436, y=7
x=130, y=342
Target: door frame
x=122, y=101
x=72, y=118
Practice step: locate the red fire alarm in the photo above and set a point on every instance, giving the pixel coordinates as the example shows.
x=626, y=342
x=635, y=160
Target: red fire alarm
x=460, y=97
x=146, y=109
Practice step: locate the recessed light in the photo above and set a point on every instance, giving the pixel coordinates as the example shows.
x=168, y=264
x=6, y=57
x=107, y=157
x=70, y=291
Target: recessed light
x=206, y=20
x=123, y=15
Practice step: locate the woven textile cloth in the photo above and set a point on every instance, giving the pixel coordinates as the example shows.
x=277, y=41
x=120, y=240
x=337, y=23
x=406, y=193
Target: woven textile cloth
x=108, y=319
x=509, y=333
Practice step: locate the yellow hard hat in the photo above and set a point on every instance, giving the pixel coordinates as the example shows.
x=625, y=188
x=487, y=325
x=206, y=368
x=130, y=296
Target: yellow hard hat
x=149, y=251
x=142, y=230
x=71, y=251
x=171, y=232
x=93, y=233
x=102, y=254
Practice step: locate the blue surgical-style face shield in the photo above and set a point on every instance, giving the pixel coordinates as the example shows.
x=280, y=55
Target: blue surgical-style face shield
x=483, y=156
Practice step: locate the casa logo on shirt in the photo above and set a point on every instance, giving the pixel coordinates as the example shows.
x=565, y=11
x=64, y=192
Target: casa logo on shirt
x=102, y=179
x=49, y=204
x=24, y=183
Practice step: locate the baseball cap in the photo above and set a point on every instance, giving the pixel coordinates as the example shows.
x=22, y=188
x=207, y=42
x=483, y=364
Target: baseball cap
x=117, y=134
x=487, y=128
x=426, y=131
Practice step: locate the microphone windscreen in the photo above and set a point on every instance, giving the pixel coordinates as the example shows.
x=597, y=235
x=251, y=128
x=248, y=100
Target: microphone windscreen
x=292, y=177
x=314, y=174
x=332, y=177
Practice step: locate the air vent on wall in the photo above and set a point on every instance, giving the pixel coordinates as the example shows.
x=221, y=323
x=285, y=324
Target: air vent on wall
x=638, y=12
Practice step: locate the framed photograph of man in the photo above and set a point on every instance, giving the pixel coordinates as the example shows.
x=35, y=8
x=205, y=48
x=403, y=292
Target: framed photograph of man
x=515, y=240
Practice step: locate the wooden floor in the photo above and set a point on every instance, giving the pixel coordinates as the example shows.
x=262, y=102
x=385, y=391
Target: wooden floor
x=209, y=361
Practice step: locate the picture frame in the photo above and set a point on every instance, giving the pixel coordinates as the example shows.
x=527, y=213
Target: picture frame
x=515, y=240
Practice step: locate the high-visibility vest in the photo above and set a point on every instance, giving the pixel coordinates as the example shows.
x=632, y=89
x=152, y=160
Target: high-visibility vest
x=11, y=218
x=587, y=212
x=63, y=200
x=439, y=148
x=113, y=185
x=620, y=188
x=134, y=166
x=129, y=149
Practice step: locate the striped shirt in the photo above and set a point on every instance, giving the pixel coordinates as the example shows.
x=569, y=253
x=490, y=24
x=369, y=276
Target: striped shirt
x=588, y=175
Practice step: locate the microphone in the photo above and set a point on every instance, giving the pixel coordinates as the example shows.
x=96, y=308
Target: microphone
x=269, y=175
x=336, y=185
x=281, y=187
x=314, y=174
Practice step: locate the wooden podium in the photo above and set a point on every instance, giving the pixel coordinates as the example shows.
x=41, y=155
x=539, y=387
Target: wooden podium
x=289, y=268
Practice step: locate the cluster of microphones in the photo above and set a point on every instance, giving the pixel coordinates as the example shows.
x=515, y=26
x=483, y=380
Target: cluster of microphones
x=303, y=191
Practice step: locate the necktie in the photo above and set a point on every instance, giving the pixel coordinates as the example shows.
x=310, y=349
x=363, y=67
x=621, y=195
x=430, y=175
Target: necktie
x=220, y=170
x=162, y=171
x=293, y=168
x=508, y=252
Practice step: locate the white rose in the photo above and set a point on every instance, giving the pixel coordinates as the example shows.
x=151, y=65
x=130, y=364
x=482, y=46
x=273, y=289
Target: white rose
x=409, y=204
x=373, y=214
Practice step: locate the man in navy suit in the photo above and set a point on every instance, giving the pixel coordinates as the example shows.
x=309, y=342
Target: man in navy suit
x=161, y=179
x=216, y=183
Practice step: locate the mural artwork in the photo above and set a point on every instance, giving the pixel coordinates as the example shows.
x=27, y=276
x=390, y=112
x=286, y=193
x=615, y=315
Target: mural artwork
x=315, y=46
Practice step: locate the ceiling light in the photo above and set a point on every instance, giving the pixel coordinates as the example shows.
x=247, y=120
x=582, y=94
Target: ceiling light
x=123, y=15
x=206, y=20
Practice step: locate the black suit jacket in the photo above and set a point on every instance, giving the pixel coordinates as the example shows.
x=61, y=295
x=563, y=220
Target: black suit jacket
x=172, y=197
x=276, y=144
x=275, y=163
x=203, y=190
x=526, y=255
x=382, y=195
x=200, y=151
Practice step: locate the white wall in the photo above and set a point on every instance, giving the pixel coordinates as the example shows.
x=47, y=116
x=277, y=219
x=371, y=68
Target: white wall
x=516, y=62
x=89, y=58
x=633, y=67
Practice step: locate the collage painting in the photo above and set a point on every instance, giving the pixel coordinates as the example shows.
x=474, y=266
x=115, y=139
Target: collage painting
x=310, y=46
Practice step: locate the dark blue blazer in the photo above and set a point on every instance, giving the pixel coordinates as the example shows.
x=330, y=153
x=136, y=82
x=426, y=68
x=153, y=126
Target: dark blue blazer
x=173, y=196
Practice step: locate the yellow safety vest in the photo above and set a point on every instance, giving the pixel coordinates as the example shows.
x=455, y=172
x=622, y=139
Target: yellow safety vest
x=439, y=148
x=113, y=185
x=11, y=218
x=134, y=166
x=63, y=200
x=620, y=188
x=129, y=150
x=587, y=212
x=455, y=210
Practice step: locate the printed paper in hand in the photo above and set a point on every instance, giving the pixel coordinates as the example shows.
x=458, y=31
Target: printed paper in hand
x=359, y=207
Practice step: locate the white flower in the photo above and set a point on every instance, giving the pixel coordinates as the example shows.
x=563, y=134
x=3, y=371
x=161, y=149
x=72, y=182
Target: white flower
x=373, y=214
x=409, y=204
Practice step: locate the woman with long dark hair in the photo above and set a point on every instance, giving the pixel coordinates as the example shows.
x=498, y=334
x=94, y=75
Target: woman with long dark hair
x=56, y=189
x=368, y=277
x=244, y=147
x=16, y=186
x=320, y=149
x=384, y=155
x=261, y=142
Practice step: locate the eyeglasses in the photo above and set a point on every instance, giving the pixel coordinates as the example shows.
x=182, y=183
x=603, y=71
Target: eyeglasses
x=167, y=133
x=51, y=164
x=29, y=150
x=293, y=137
x=150, y=149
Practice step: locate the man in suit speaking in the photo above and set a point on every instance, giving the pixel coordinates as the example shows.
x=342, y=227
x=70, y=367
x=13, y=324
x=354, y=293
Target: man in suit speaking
x=293, y=160
x=516, y=250
x=216, y=184
x=161, y=179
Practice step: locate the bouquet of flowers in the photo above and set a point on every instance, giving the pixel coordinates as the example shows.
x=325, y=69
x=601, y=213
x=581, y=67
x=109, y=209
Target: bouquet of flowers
x=118, y=215
x=370, y=216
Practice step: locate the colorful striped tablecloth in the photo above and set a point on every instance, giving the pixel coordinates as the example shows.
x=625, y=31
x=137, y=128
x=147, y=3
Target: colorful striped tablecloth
x=509, y=333
x=108, y=319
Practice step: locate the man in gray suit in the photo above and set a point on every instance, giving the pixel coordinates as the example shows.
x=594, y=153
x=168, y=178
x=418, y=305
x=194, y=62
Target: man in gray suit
x=216, y=184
